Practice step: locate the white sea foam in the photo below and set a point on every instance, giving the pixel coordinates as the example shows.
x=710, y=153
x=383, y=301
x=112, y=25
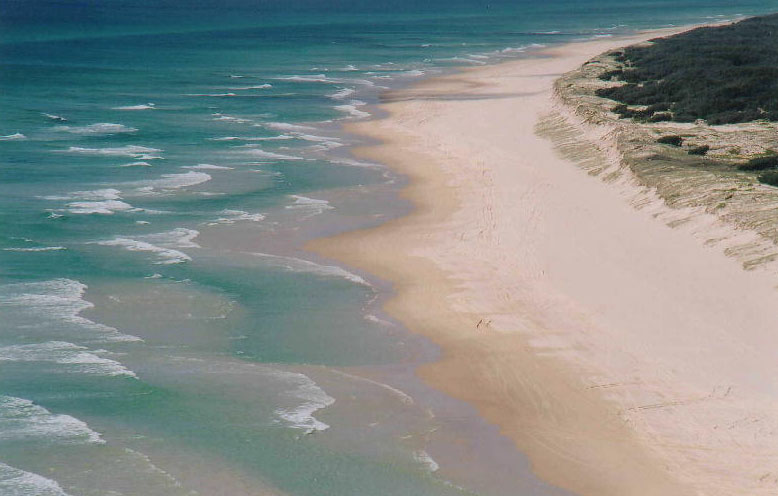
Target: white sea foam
x=462, y=60
x=167, y=255
x=342, y=93
x=425, y=459
x=322, y=78
x=521, y=49
x=259, y=153
x=37, y=249
x=206, y=167
x=143, y=106
x=13, y=137
x=352, y=162
x=15, y=482
x=101, y=128
x=54, y=303
x=95, y=194
x=314, y=78
x=75, y=358
x=285, y=126
x=212, y=94
x=314, y=399
x=107, y=207
x=233, y=216
x=170, y=182
x=100, y=201
x=54, y=117
x=162, y=245
x=414, y=73
x=294, y=264
x=21, y=419
x=281, y=137
x=352, y=110
x=136, y=164
x=229, y=118
x=322, y=142
x=376, y=320
x=133, y=151
x=311, y=206
x=254, y=87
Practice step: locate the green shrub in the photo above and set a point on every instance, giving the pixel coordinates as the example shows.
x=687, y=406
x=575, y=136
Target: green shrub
x=770, y=177
x=672, y=140
x=722, y=74
x=661, y=117
x=760, y=163
x=699, y=150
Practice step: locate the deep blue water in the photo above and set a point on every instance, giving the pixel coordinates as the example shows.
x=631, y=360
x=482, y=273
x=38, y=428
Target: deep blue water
x=161, y=163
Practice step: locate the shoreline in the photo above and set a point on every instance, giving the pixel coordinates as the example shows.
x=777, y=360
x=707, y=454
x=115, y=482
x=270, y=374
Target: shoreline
x=520, y=339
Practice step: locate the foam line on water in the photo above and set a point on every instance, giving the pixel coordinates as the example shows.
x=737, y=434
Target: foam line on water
x=99, y=129
x=262, y=154
x=165, y=246
x=55, y=303
x=104, y=201
x=284, y=126
x=233, y=216
x=132, y=151
x=56, y=118
x=426, y=460
x=168, y=182
x=74, y=358
x=294, y=264
x=35, y=249
x=142, y=106
x=229, y=118
x=253, y=87
x=206, y=167
x=22, y=420
x=250, y=138
x=16, y=482
x=311, y=206
x=313, y=399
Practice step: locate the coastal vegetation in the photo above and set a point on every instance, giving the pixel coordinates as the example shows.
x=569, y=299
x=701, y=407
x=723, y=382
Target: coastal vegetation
x=769, y=177
x=760, y=163
x=699, y=150
x=671, y=140
x=723, y=75
x=708, y=76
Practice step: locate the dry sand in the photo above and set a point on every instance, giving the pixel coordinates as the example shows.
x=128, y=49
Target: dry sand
x=623, y=356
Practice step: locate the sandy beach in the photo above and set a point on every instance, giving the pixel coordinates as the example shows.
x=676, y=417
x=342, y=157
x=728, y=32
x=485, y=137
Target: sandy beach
x=623, y=356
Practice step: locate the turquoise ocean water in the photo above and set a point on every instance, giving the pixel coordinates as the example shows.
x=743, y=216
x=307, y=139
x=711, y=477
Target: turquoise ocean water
x=161, y=164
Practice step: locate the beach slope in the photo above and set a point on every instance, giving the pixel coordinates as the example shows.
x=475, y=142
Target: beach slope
x=623, y=356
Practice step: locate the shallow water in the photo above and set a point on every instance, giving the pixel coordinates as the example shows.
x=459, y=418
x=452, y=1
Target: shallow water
x=162, y=330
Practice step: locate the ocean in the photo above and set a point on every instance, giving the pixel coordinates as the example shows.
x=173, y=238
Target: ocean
x=162, y=164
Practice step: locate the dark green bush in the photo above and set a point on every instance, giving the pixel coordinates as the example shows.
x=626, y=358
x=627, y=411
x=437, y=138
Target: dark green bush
x=760, y=163
x=661, y=117
x=699, y=150
x=723, y=74
x=770, y=177
x=672, y=140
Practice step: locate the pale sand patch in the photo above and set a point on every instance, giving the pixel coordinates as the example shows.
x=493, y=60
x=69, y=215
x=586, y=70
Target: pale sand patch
x=624, y=357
